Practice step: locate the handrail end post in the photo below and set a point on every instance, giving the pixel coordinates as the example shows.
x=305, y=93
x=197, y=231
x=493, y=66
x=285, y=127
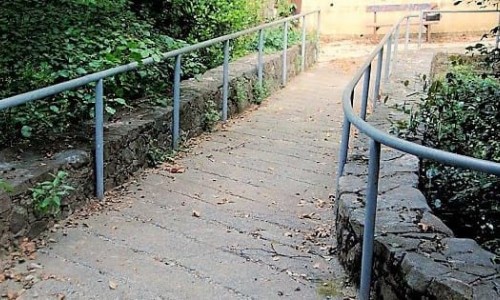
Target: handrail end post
x=285, y=49
x=225, y=80
x=260, y=59
x=99, y=139
x=303, y=47
x=177, y=103
x=370, y=218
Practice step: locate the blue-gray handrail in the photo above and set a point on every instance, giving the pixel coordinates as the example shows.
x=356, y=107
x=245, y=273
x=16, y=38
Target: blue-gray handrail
x=389, y=45
x=177, y=54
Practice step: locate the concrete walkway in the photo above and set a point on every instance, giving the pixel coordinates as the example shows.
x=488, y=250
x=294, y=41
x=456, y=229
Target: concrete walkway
x=249, y=218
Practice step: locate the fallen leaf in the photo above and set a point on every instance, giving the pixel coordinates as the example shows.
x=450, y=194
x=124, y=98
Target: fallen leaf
x=288, y=234
x=316, y=266
x=308, y=216
x=224, y=201
x=113, y=285
x=2, y=278
x=12, y=295
x=27, y=247
x=196, y=214
x=60, y=296
x=34, y=266
x=276, y=258
x=424, y=227
x=175, y=170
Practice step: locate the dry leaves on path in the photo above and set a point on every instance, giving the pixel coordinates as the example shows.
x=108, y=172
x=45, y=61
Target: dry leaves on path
x=311, y=216
x=112, y=285
x=173, y=168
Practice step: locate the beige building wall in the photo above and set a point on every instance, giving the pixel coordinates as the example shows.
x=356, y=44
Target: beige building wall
x=349, y=17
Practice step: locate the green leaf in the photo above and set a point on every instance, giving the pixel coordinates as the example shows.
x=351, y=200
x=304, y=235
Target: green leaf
x=5, y=186
x=110, y=110
x=54, y=108
x=81, y=71
x=26, y=131
x=120, y=101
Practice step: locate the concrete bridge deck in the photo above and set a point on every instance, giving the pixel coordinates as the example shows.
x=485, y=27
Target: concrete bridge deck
x=247, y=215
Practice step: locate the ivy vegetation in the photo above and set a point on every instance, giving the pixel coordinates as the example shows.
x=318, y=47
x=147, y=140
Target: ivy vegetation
x=45, y=42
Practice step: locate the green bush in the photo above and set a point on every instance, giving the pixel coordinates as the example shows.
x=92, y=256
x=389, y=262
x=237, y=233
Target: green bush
x=273, y=39
x=51, y=41
x=199, y=20
x=461, y=114
x=47, y=195
x=46, y=42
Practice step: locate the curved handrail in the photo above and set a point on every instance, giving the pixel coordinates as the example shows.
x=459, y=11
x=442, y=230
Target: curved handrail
x=379, y=137
x=392, y=141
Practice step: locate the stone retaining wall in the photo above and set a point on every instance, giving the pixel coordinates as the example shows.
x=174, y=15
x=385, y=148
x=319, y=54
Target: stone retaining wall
x=416, y=255
x=128, y=142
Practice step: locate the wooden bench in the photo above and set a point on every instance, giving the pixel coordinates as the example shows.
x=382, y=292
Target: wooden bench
x=382, y=8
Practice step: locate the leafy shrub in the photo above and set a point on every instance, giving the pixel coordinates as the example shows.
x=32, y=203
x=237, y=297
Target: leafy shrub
x=490, y=54
x=461, y=114
x=46, y=42
x=47, y=196
x=5, y=186
x=200, y=20
x=273, y=39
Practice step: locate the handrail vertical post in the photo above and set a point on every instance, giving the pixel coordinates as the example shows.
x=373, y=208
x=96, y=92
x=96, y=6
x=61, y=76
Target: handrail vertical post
x=497, y=39
x=378, y=77
x=303, y=49
x=318, y=33
x=344, y=143
x=370, y=215
x=366, y=90
x=285, y=48
x=420, y=28
x=225, y=80
x=407, y=32
x=388, y=58
x=99, y=139
x=260, y=59
x=177, y=103
x=396, y=44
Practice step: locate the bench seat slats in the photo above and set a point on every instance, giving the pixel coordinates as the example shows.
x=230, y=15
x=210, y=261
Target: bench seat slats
x=381, y=8
x=404, y=23
x=400, y=7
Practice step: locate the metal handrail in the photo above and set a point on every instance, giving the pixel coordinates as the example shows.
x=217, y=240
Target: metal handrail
x=389, y=44
x=98, y=77
x=84, y=80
